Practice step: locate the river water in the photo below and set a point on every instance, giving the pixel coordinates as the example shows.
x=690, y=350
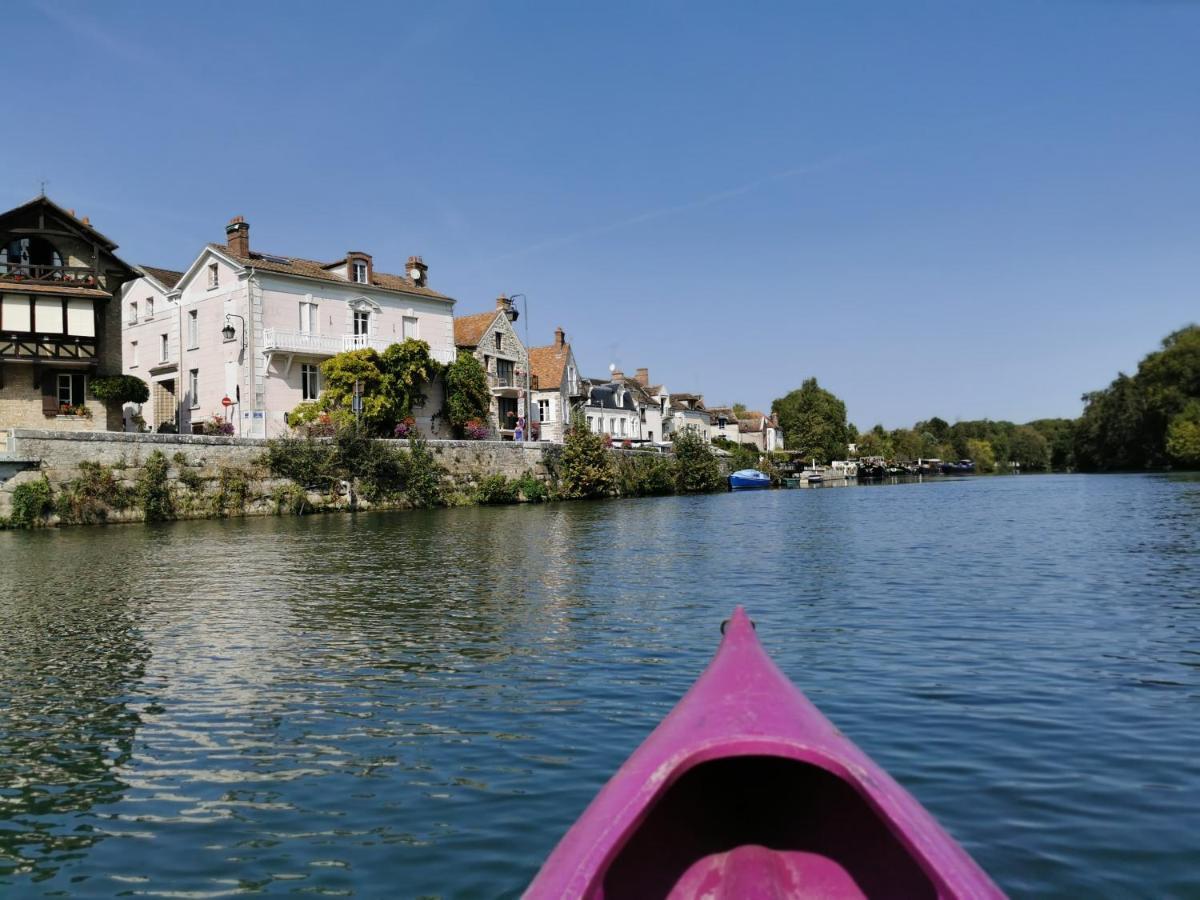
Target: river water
x=419, y=704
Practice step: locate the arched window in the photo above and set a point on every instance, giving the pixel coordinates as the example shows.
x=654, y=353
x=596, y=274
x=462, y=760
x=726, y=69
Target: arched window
x=31, y=256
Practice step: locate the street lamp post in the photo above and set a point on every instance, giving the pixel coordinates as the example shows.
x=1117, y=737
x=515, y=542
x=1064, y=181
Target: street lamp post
x=528, y=394
x=229, y=332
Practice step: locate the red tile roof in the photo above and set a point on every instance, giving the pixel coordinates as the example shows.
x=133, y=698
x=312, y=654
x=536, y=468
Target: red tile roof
x=547, y=364
x=469, y=330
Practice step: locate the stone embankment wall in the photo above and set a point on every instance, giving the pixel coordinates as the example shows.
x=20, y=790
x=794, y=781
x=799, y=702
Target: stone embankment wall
x=214, y=476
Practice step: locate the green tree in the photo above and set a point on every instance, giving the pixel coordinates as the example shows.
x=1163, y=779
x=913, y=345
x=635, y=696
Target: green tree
x=1029, y=449
x=339, y=375
x=1060, y=435
x=874, y=443
x=981, y=453
x=1126, y=425
x=467, y=394
x=906, y=445
x=813, y=422
x=392, y=385
x=586, y=466
x=119, y=389
x=696, y=467
x=739, y=410
x=1183, y=437
x=1112, y=432
x=407, y=368
x=939, y=428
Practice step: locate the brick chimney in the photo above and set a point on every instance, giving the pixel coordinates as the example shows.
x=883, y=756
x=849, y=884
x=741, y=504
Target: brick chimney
x=505, y=305
x=237, y=236
x=642, y=377
x=618, y=375
x=560, y=337
x=417, y=271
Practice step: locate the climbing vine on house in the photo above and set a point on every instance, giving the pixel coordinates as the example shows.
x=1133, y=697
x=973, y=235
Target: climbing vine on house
x=468, y=400
x=392, y=384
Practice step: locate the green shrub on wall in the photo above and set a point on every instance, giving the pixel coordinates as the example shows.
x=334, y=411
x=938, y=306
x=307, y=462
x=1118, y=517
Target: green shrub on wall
x=586, y=467
x=532, y=488
x=87, y=499
x=497, y=489
x=696, y=467
x=424, y=475
x=646, y=475
x=153, y=491
x=31, y=503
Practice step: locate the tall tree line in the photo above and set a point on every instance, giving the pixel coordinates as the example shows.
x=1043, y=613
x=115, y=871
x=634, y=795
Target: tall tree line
x=1146, y=420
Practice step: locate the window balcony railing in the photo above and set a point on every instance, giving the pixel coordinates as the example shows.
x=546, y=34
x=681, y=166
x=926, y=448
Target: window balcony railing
x=278, y=340
x=78, y=275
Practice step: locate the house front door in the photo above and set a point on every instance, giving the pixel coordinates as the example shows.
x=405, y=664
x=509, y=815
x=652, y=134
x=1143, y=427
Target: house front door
x=164, y=404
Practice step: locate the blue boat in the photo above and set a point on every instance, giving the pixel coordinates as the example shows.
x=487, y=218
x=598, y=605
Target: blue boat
x=746, y=479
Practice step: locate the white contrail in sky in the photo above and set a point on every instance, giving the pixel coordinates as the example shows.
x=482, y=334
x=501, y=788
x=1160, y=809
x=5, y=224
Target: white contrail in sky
x=664, y=211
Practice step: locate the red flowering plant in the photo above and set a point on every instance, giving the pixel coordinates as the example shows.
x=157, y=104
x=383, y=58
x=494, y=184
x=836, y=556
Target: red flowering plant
x=406, y=428
x=217, y=425
x=475, y=430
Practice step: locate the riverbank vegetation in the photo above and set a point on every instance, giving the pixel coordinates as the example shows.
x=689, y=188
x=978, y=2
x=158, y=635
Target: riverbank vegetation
x=1147, y=420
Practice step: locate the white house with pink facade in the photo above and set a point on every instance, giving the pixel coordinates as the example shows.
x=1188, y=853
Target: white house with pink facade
x=251, y=330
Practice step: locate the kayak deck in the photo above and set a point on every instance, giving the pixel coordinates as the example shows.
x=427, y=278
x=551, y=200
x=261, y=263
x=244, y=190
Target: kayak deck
x=746, y=790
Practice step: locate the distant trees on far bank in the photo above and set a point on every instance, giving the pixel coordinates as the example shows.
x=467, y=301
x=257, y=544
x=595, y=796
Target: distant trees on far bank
x=1147, y=420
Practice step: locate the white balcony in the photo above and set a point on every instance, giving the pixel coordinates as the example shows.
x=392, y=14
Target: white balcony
x=278, y=340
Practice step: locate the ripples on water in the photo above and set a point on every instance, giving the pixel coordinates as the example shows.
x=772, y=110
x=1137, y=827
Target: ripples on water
x=421, y=703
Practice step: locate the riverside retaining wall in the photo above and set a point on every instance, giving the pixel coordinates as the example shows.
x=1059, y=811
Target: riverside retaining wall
x=211, y=476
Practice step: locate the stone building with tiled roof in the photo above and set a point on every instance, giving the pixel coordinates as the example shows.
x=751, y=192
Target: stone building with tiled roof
x=60, y=323
x=724, y=424
x=556, y=386
x=757, y=429
x=492, y=339
x=687, y=412
x=253, y=328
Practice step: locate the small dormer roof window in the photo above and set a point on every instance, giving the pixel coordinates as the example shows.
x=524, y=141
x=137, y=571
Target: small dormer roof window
x=359, y=271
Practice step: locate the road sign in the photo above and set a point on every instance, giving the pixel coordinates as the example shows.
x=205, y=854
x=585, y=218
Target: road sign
x=226, y=402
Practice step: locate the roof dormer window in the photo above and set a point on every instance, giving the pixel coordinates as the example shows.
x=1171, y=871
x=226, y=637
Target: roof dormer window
x=359, y=271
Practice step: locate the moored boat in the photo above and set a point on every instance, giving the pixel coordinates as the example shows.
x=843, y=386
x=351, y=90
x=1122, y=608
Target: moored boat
x=745, y=790
x=744, y=479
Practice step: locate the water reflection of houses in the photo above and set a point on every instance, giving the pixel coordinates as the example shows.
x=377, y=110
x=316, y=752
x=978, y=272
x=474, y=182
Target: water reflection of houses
x=65, y=729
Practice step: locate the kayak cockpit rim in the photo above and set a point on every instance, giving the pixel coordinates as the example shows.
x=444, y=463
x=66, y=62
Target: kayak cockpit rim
x=611, y=843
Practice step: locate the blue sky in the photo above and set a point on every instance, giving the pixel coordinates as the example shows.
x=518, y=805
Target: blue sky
x=965, y=210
